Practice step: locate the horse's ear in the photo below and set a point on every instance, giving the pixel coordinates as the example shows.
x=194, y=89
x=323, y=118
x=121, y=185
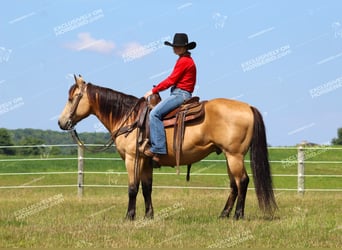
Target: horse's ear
x=79, y=80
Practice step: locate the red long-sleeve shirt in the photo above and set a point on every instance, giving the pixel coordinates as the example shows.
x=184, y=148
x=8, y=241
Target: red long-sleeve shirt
x=183, y=76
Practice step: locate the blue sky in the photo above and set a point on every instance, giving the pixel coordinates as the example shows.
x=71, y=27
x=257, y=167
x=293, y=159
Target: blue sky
x=283, y=57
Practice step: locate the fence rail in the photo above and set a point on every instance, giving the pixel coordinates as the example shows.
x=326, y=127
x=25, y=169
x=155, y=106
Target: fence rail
x=156, y=173
x=300, y=159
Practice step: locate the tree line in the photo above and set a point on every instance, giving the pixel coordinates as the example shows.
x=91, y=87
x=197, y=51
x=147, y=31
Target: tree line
x=43, y=138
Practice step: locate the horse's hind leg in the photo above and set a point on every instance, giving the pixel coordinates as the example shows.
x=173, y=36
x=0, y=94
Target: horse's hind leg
x=146, y=181
x=237, y=168
x=240, y=203
x=239, y=182
x=231, y=198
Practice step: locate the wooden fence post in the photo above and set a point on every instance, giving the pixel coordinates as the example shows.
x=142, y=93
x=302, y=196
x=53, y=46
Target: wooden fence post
x=301, y=157
x=80, y=171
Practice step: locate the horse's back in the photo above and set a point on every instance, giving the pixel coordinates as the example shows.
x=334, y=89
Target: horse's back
x=231, y=109
x=230, y=102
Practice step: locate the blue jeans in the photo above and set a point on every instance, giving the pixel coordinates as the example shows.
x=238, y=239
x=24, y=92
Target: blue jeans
x=157, y=132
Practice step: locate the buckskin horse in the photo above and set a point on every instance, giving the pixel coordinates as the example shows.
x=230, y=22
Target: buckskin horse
x=229, y=126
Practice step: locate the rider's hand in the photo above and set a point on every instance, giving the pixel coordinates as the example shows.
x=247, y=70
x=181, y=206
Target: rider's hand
x=148, y=93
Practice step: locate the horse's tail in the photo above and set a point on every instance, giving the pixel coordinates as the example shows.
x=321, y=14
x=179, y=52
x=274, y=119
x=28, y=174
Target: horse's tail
x=260, y=165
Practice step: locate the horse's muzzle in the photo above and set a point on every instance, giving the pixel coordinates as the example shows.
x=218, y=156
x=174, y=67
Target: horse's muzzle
x=65, y=125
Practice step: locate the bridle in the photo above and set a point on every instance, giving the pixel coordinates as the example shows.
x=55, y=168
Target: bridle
x=71, y=126
x=73, y=109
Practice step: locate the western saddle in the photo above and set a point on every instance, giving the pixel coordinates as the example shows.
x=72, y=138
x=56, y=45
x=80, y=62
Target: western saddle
x=190, y=111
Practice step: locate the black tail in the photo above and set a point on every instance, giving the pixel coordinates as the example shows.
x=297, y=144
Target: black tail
x=261, y=166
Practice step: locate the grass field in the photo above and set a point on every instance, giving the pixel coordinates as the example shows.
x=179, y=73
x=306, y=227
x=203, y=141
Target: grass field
x=55, y=217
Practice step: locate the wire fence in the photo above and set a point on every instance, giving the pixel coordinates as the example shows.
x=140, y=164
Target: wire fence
x=303, y=155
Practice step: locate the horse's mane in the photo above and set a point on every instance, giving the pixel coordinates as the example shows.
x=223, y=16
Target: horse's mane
x=112, y=104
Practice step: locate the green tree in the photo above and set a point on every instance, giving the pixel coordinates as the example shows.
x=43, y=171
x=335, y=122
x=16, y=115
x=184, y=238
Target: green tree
x=55, y=151
x=5, y=140
x=31, y=141
x=338, y=140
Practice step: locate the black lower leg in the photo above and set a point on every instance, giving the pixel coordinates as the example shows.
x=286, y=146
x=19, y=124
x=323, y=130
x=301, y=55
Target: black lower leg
x=147, y=193
x=231, y=200
x=132, y=198
x=240, y=204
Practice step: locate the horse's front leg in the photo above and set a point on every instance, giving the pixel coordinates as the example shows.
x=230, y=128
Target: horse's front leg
x=146, y=182
x=132, y=199
x=133, y=188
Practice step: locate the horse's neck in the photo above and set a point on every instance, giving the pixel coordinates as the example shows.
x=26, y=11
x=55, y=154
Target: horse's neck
x=115, y=125
x=112, y=112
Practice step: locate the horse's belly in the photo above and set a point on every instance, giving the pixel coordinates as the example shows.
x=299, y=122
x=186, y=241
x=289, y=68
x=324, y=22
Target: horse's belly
x=196, y=145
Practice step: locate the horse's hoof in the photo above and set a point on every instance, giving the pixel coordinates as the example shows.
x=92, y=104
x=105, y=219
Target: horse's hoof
x=130, y=217
x=238, y=216
x=149, y=214
x=224, y=215
x=149, y=217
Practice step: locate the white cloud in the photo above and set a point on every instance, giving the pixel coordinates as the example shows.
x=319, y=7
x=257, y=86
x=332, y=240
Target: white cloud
x=86, y=42
x=128, y=51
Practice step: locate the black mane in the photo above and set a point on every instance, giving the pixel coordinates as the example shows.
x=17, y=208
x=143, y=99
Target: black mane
x=112, y=104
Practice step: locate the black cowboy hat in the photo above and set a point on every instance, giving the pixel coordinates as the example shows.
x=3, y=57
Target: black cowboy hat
x=180, y=40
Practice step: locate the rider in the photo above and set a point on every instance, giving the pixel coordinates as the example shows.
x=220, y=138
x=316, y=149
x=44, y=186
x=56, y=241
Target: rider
x=182, y=82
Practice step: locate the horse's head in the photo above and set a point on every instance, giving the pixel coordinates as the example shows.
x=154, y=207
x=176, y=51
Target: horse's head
x=77, y=106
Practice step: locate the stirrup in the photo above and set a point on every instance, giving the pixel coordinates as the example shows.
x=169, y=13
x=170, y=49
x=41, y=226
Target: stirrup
x=142, y=147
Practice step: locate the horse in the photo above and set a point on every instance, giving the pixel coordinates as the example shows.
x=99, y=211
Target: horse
x=229, y=126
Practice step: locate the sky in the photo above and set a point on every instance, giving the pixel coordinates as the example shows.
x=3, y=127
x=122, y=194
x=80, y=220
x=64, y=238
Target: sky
x=283, y=57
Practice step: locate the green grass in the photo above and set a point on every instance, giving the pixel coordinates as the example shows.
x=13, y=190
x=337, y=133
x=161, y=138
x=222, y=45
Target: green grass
x=183, y=217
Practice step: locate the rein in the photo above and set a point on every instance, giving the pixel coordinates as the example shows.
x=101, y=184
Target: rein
x=129, y=128
x=80, y=143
